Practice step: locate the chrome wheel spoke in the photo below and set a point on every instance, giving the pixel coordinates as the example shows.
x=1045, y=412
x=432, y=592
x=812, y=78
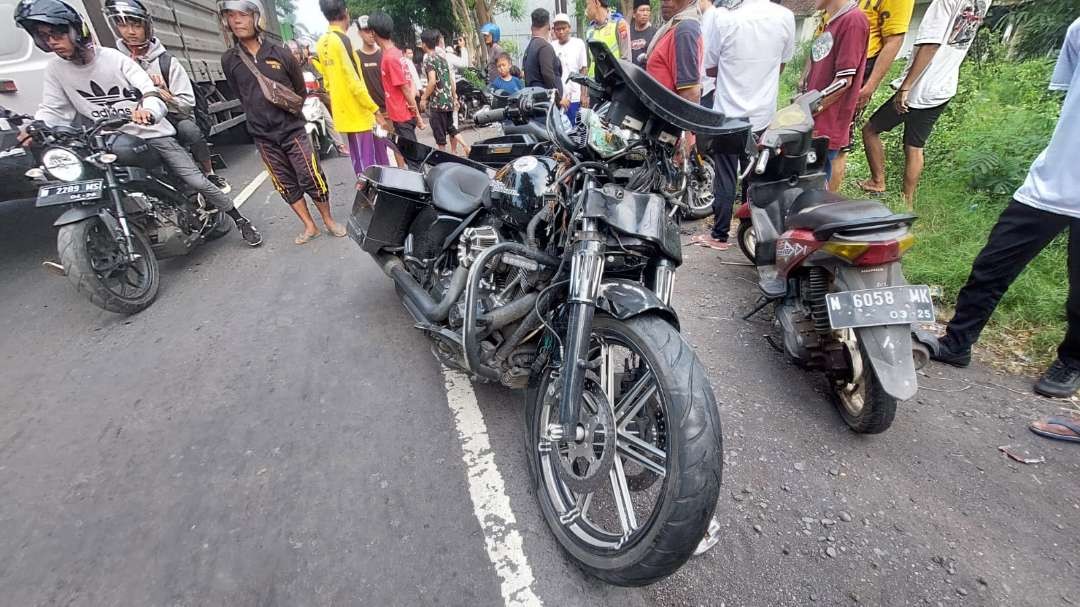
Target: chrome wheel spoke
x=621, y=491
x=634, y=399
x=640, y=452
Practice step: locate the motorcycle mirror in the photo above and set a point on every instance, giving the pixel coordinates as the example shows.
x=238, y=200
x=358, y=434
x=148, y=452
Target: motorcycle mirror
x=133, y=94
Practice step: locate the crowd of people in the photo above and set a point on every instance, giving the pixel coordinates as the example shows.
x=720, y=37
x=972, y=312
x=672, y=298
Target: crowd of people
x=728, y=56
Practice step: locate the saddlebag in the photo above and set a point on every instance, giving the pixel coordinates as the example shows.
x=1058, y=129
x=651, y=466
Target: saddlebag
x=387, y=201
x=499, y=151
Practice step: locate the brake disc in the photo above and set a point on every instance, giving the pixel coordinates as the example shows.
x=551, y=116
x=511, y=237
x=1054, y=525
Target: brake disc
x=585, y=459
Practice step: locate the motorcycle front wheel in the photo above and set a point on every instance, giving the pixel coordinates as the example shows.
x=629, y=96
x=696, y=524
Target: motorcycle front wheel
x=642, y=519
x=95, y=264
x=700, y=188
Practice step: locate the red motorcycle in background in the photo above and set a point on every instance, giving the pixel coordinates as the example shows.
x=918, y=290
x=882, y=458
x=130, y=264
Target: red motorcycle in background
x=831, y=267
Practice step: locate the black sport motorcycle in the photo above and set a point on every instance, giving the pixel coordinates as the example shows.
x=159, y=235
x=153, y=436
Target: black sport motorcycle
x=556, y=276
x=124, y=212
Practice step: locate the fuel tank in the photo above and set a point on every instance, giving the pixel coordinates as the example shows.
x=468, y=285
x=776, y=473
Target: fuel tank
x=517, y=193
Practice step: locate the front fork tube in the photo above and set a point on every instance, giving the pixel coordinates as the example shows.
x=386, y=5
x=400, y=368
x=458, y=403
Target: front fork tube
x=127, y=244
x=586, y=269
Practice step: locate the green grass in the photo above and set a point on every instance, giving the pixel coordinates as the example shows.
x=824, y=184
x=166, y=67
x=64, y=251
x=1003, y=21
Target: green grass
x=980, y=151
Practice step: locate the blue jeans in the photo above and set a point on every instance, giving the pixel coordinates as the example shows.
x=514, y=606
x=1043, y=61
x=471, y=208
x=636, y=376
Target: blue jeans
x=828, y=163
x=571, y=112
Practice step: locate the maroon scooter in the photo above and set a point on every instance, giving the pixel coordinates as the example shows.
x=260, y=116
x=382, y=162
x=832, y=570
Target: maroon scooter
x=831, y=267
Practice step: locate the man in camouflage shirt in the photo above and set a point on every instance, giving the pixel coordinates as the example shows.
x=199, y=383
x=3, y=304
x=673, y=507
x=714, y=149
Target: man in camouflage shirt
x=439, y=98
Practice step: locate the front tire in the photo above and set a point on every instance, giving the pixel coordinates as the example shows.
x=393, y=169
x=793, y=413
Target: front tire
x=92, y=261
x=668, y=450
x=863, y=404
x=700, y=204
x=747, y=240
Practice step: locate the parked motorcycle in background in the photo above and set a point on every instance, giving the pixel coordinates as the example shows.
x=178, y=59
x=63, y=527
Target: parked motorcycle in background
x=556, y=276
x=471, y=98
x=319, y=124
x=831, y=267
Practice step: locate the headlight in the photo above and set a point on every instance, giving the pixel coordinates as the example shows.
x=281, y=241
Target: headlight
x=62, y=164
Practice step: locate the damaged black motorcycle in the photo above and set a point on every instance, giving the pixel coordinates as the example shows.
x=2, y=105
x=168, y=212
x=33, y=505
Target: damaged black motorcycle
x=556, y=276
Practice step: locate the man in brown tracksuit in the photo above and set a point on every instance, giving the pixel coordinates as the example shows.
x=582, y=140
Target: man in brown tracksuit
x=279, y=135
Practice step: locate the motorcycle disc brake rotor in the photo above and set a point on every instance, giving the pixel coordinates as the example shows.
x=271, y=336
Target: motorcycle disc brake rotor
x=584, y=464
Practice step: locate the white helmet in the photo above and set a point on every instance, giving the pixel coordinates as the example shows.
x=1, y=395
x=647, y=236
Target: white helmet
x=244, y=6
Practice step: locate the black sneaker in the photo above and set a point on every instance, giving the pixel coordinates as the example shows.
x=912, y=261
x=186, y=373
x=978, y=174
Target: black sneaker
x=1059, y=381
x=942, y=352
x=220, y=183
x=248, y=232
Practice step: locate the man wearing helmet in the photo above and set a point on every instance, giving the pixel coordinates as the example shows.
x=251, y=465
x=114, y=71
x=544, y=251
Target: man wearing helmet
x=490, y=32
x=90, y=81
x=278, y=133
x=133, y=28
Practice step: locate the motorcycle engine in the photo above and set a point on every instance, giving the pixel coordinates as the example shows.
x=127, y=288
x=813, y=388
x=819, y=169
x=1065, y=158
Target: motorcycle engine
x=173, y=231
x=502, y=281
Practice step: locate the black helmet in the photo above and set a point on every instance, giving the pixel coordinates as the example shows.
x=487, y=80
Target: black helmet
x=123, y=10
x=57, y=13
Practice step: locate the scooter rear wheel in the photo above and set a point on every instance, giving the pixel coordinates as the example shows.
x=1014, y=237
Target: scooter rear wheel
x=747, y=240
x=863, y=404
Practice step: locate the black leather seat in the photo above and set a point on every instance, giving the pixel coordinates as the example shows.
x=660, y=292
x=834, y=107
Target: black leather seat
x=456, y=188
x=816, y=208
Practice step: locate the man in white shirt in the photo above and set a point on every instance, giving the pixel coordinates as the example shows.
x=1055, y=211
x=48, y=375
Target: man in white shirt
x=746, y=49
x=708, y=35
x=925, y=88
x=574, y=57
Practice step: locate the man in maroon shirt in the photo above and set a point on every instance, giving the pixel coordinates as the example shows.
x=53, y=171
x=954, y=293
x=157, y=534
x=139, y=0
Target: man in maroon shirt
x=400, y=90
x=838, y=54
x=674, y=55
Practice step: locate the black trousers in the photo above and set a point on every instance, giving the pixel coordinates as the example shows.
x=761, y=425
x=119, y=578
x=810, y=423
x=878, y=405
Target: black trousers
x=725, y=183
x=1019, y=235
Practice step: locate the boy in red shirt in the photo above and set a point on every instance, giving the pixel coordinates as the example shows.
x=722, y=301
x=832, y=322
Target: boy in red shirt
x=838, y=53
x=400, y=90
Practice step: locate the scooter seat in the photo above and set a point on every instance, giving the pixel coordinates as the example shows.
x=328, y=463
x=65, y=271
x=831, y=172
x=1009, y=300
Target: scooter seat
x=812, y=210
x=456, y=188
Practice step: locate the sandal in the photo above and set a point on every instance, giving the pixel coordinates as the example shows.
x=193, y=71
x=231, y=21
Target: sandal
x=865, y=186
x=706, y=240
x=305, y=238
x=337, y=231
x=1069, y=428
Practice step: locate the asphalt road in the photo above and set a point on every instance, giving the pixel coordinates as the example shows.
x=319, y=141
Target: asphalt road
x=273, y=432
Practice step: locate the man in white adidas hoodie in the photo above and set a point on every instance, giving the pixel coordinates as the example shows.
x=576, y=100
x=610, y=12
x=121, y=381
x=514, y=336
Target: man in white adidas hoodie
x=89, y=81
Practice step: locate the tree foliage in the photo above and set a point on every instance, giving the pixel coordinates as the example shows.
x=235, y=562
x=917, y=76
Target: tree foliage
x=409, y=17
x=1040, y=25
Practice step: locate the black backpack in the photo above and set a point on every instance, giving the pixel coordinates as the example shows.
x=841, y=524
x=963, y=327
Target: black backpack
x=201, y=113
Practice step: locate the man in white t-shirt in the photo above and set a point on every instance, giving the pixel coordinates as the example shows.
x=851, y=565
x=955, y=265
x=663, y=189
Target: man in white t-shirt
x=1045, y=205
x=925, y=88
x=747, y=49
x=574, y=57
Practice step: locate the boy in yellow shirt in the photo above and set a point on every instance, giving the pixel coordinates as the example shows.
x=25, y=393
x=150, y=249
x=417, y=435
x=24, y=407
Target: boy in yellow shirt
x=355, y=112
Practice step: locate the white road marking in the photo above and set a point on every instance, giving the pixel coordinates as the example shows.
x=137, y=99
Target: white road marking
x=246, y=193
x=488, y=493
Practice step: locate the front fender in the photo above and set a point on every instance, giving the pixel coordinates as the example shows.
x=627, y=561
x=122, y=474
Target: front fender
x=888, y=347
x=623, y=299
x=75, y=215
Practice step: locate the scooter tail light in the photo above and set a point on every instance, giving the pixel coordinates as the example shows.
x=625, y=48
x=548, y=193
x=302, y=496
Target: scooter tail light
x=905, y=242
x=849, y=251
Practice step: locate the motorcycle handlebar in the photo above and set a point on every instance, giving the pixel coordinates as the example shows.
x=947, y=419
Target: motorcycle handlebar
x=489, y=116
